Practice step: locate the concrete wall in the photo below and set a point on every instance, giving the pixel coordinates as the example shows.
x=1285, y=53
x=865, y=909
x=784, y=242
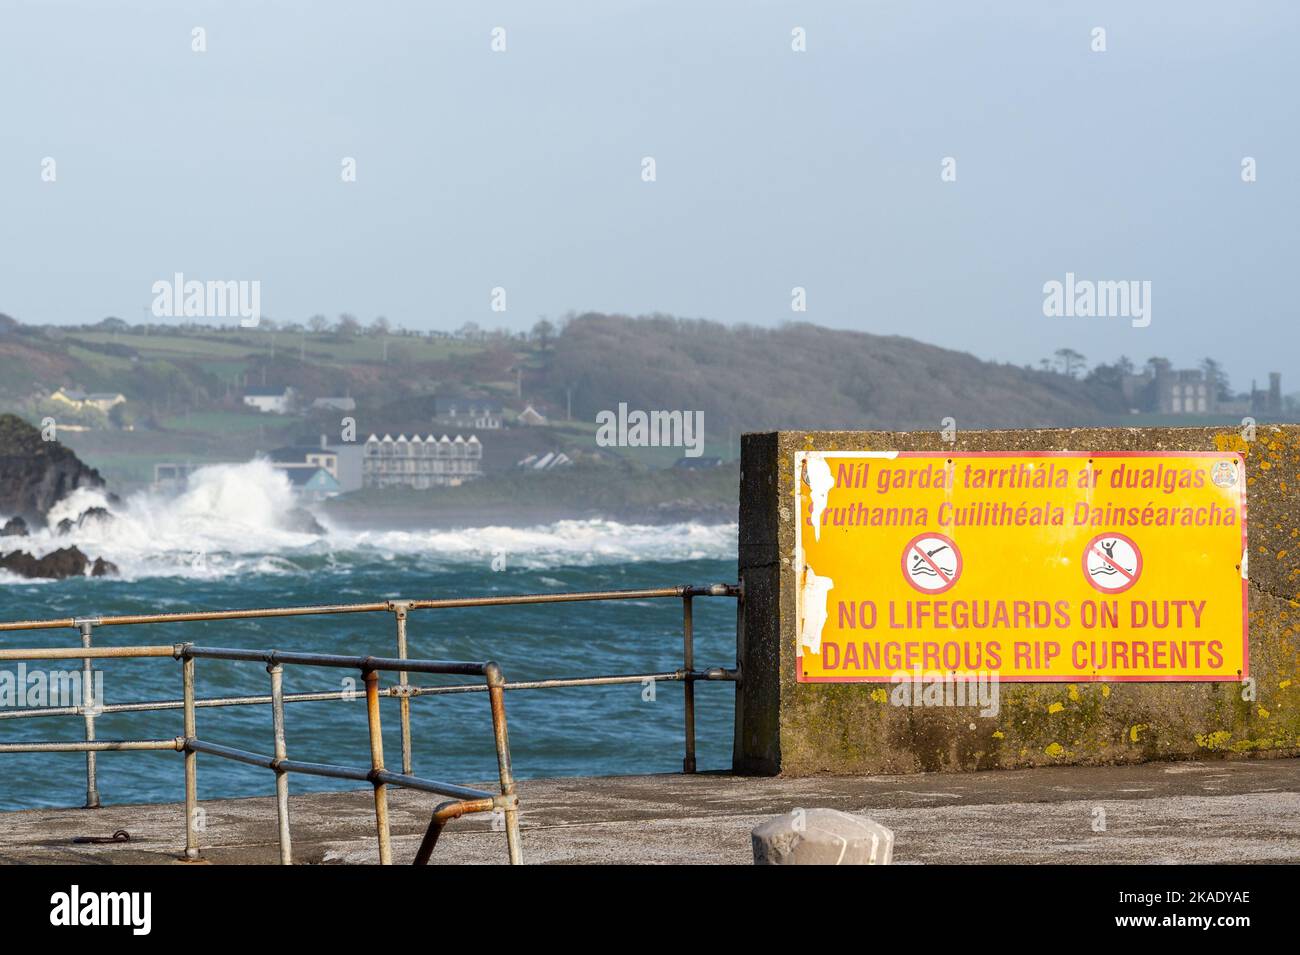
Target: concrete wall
x=800, y=729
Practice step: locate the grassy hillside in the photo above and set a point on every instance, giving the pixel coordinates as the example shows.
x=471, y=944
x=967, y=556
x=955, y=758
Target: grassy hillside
x=743, y=378
x=803, y=376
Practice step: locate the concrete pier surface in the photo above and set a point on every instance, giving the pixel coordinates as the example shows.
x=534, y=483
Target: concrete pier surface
x=1244, y=811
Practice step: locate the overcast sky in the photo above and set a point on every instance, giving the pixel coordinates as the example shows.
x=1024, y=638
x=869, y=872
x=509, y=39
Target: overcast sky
x=775, y=168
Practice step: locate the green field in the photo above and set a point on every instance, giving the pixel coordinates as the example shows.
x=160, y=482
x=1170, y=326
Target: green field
x=319, y=348
x=228, y=422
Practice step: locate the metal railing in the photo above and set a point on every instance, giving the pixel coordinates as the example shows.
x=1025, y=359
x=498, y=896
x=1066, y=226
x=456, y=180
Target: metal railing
x=463, y=799
x=466, y=800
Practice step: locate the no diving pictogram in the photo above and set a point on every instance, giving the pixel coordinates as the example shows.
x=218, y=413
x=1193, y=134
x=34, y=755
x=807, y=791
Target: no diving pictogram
x=931, y=563
x=1112, y=563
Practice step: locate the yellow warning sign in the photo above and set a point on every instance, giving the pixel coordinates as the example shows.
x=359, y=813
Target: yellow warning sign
x=1025, y=566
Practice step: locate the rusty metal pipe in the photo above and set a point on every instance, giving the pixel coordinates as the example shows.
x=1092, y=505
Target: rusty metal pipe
x=377, y=766
x=404, y=701
x=443, y=814
x=497, y=700
x=715, y=674
x=711, y=674
x=84, y=653
x=515, y=600
x=710, y=590
x=146, y=706
x=367, y=663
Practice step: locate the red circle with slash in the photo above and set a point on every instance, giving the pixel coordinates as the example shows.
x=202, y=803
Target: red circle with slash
x=1115, y=568
x=927, y=568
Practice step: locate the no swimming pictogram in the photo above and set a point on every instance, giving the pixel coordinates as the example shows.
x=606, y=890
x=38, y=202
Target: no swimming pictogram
x=932, y=563
x=1112, y=563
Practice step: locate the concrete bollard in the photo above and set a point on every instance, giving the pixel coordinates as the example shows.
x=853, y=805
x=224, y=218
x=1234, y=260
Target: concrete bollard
x=822, y=837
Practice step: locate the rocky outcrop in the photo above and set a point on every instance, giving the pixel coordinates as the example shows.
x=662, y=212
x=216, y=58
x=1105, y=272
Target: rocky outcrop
x=36, y=474
x=300, y=521
x=59, y=565
x=103, y=568
x=14, y=527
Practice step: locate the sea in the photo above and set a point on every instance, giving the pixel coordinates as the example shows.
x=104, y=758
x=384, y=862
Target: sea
x=235, y=538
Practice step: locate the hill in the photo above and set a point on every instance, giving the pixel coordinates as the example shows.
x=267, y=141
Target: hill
x=802, y=376
x=184, y=385
x=741, y=377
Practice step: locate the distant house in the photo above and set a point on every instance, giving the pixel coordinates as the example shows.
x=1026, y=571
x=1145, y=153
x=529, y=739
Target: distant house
x=306, y=458
x=272, y=401
x=479, y=413
x=350, y=464
x=697, y=464
x=334, y=404
x=78, y=400
x=531, y=417
x=313, y=483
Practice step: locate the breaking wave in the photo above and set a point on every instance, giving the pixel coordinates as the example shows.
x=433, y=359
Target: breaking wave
x=233, y=520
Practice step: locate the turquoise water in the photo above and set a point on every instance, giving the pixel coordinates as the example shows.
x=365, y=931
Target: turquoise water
x=553, y=732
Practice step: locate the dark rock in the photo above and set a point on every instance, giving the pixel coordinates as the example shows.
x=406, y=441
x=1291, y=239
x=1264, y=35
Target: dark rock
x=303, y=521
x=103, y=568
x=65, y=526
x=14, y=527
x=62, y=563
x=36, y=474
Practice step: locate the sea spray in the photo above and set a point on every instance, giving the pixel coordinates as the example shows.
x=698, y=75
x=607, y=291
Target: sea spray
x=244, y=520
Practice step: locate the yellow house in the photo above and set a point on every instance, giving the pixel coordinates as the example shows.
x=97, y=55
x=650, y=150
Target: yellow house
x=78, y=400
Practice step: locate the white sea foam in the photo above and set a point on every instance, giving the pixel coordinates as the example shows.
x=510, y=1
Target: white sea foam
x=244, y=520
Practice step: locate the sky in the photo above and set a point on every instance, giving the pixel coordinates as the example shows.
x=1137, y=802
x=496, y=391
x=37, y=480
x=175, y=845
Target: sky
x=523, y=169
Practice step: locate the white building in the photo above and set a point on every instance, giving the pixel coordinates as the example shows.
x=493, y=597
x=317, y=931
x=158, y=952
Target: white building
x=269, y=401
x=480, y=413
x=531, y=417
x=421, y=462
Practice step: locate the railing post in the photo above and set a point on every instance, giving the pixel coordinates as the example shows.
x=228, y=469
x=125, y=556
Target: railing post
x=377, y=766
x=688, y=663
x=496, y=695
x=191, y=766
x=281, y=752
x=404, y=700
x=88, y=714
